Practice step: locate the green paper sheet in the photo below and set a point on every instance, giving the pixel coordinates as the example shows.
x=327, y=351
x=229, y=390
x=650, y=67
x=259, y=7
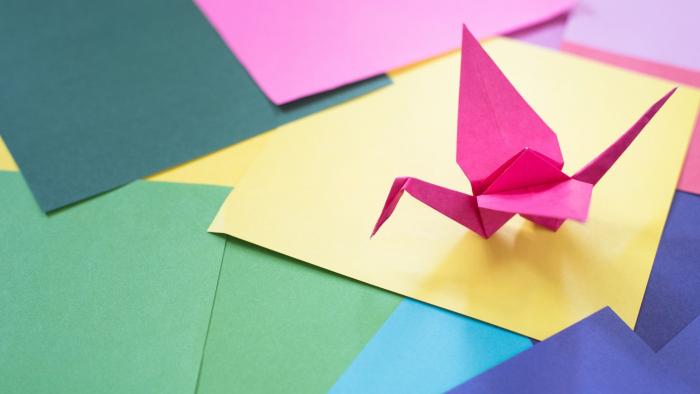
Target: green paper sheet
x=283, y=326
x=113, y=296
x=97, y=93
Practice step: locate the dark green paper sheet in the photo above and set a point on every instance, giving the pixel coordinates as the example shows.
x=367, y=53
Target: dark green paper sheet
x=113, y=296
x=95, y=94
x=283, y=326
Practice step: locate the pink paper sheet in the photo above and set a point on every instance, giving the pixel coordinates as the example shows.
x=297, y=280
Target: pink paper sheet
x=298, y=48
x=666, y=71
x=690, y=177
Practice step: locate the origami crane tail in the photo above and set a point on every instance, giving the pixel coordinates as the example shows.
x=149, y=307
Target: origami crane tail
x=458, y=206
x=594, y=170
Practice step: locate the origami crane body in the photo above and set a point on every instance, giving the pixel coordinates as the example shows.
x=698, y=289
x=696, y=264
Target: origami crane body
x=510, y=156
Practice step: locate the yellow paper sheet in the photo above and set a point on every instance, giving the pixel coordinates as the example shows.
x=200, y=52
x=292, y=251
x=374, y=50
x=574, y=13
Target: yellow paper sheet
x=317, y=189
x=7, y=163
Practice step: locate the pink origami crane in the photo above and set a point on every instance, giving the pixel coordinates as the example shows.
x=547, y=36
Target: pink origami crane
x=511, y=157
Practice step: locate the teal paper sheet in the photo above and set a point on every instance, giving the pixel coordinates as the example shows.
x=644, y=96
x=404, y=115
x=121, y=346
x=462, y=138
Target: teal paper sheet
x=97, y=93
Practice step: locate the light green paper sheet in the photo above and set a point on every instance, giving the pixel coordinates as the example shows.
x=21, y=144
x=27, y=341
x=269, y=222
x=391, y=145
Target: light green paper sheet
x=283, y=326
x=113, y=296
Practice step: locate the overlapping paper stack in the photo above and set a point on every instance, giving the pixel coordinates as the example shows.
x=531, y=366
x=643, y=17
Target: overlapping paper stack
x=187, y=193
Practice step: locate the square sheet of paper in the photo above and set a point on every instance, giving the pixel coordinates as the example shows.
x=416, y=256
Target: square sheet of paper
x=318, y=188
x=297, y=48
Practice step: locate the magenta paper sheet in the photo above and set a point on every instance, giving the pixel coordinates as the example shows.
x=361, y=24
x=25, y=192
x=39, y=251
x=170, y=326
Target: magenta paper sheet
x=298, y=48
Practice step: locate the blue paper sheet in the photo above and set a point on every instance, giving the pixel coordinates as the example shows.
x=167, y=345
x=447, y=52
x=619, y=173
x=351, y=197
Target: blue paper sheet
x=425, y=349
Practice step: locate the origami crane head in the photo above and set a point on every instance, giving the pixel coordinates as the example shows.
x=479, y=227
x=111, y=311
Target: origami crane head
x=510, y=156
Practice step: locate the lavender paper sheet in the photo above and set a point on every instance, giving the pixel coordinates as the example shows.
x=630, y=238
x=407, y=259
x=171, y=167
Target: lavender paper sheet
x=663, y=31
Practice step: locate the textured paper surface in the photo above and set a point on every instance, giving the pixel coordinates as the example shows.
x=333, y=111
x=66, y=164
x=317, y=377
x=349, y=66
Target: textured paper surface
x=281, y=326
x=672, y=297
x=332, y=170
x=295, y=49
x=99, y=93
x=424, y=349
x=597, y=355
x=113, y=296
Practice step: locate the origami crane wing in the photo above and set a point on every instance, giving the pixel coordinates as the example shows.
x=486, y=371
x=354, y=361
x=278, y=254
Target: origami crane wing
x=594, y=171
x=494, y=121
x=552, y=197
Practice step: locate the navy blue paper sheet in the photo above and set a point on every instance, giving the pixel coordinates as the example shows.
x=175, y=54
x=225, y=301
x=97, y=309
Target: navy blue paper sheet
x=672, y=297
x=599, y=354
